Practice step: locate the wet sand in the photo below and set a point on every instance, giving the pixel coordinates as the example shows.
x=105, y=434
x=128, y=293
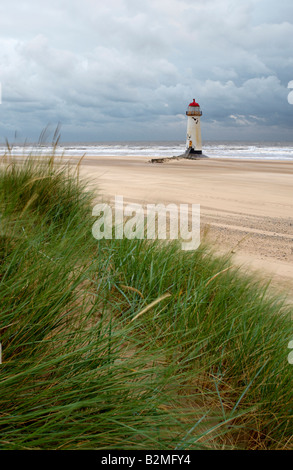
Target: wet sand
x=246, y=206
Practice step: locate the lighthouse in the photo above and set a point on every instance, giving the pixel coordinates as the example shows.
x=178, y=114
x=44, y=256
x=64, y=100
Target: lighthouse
x=193, y=140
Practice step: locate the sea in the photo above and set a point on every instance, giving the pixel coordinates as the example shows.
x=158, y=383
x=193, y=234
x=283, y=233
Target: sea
x=282, y=151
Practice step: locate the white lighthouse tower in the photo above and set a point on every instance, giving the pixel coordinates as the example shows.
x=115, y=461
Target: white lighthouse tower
x=193, y=141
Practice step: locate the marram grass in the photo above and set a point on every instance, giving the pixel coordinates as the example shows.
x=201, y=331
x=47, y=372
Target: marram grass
x=129, y=344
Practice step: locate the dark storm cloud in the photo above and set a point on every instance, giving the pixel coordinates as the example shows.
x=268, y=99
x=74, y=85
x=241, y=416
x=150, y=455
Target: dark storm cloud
x=122, y=69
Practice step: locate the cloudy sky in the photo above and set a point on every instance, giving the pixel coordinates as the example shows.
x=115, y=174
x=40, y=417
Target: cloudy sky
x=111, y=70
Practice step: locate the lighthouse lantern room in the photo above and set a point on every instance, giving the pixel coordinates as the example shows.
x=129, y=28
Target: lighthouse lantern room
x=193, y=141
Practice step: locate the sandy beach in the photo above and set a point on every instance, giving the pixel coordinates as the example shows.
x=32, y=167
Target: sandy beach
x=246, y=206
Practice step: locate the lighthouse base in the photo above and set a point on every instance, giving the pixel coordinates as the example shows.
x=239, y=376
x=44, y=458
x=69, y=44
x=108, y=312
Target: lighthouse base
x=191, y=151
x=190, y=154
x=193, y=154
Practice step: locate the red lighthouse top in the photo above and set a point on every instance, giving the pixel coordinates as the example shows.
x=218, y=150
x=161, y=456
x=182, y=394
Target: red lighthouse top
x=193, y=109
x=193, y=103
